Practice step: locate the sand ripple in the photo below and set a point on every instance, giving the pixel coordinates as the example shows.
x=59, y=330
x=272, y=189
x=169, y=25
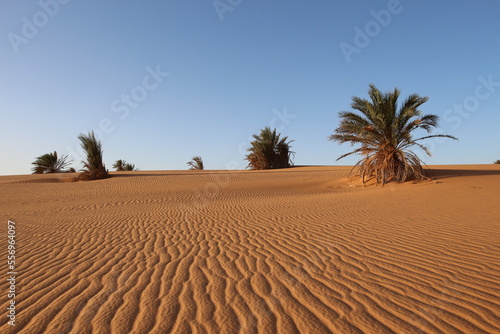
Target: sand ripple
x=295, y=251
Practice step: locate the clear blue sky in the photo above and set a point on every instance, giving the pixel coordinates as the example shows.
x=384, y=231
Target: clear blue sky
x=69, y=68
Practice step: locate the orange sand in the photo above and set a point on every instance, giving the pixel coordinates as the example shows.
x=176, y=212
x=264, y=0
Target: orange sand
x=303, y=250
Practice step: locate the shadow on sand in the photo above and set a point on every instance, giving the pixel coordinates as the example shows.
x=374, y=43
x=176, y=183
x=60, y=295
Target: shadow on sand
x=449, y=173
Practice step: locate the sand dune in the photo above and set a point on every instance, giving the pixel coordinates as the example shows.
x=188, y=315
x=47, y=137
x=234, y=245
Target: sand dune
x=304, y=250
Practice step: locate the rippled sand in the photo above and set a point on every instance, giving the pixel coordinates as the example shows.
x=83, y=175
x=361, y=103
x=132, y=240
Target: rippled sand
x=304, y=250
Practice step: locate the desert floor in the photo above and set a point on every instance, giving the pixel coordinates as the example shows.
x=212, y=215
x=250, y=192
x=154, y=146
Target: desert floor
x=303, y=250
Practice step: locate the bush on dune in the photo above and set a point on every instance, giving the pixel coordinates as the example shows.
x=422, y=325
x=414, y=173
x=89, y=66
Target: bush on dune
x=269, y=151
x=122, y=165
x=196, y=163
x=50, y=163
x=94, y=168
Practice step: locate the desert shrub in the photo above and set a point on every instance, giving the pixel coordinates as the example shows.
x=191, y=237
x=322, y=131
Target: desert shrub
x=269, y=151
x=122, y=165
x=50, y=163
x=196, y=163
x=93, y=167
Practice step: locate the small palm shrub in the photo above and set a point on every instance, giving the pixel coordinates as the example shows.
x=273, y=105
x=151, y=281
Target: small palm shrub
x=129, y=167
x=122, y=165
x=269, y=151
x=196, y=163
x=119, y=165
x=50, y=163
x=94, y=168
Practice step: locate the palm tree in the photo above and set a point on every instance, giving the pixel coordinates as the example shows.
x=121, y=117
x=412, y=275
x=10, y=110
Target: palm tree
x=196, y=163
x=384, y=132
x=129, y=167
x=122, y=165
x=94, y=167
x=50, y=163
x=269, y=151
x=119, y=164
